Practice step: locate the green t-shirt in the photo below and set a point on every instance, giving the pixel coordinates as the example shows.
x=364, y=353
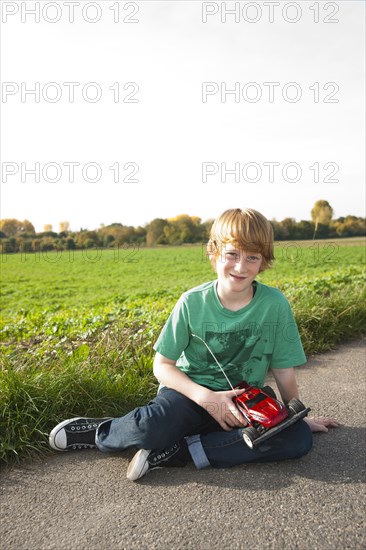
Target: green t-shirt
x=246, y=342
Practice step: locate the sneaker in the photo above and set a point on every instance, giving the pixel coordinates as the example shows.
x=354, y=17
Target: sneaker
x=75, y=433
x=145, y=460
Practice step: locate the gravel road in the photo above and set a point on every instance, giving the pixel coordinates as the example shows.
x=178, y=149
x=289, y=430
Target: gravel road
x=84, y=501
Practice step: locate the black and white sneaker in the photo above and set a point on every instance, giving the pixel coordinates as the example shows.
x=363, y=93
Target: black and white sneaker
x=75, y=433
x=145, y=460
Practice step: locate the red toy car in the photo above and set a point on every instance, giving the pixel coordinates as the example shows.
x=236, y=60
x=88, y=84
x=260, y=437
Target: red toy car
x=266, y=416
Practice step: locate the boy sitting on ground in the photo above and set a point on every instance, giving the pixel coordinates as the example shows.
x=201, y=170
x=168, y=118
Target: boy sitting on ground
x=248, y=327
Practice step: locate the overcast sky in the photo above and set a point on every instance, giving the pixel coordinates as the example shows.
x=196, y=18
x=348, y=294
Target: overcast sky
x=292, y=133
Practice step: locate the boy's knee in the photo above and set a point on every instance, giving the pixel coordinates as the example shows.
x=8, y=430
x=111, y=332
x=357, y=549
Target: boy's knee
x=152, y=438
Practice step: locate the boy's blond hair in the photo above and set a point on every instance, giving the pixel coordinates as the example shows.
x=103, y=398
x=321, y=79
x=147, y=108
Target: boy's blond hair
x=245, y=228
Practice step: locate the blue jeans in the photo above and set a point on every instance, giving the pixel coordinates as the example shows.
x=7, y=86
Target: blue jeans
x=171, y=417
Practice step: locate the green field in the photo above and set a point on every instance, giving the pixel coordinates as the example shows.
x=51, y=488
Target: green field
x=78, y=327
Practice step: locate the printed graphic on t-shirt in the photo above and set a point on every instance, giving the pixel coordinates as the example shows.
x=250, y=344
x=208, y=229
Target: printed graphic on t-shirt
x=244, y=355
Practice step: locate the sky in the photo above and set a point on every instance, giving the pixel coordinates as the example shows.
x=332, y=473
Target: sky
x=180, y=107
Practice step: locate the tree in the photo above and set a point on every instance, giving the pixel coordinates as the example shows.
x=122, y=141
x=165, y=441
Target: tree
x=183, y=229
x=47, y=227
x=140, y=233
x=107, y=240
x=322, y=213
x=87, y=239
x=125, y=234
x=70, y=244
x=9, y=245
x=155, y=232
x=118, y=233
x=206, y=228
x=350, y=226
x=47, y=243
x=305, y=229
x=64, y=227
x=288, y=226
x=12, y=227
x=24, y=246
x=51, y=234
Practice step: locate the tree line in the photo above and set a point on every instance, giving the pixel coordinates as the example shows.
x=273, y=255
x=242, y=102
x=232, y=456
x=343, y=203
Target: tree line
x=20, y=236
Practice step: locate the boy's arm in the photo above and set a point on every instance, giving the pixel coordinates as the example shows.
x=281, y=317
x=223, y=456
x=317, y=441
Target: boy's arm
x=218, y=404
x=286, y=383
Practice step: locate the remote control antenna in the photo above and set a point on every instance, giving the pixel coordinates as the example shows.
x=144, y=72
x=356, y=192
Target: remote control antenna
x=218, y=364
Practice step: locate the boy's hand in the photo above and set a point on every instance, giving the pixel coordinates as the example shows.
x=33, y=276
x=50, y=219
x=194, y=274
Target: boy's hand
x=220, y=405
x=321, y=423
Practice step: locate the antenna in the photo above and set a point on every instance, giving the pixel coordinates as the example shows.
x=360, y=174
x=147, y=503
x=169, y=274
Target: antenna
x=218, y=364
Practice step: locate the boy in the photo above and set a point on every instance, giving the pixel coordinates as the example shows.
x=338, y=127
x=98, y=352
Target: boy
x=245, y=326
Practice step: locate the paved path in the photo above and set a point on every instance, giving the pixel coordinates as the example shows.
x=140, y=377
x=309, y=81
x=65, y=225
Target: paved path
x=83, y=500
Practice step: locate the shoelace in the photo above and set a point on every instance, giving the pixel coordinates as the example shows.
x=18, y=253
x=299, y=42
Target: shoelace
x=84, y=427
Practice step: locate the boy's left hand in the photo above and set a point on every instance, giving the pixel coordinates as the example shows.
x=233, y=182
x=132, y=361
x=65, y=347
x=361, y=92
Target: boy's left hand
x=321, y=423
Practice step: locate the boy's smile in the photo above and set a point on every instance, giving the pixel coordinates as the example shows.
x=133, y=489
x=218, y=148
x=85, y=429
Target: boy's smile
x=237, y=277
x=236, y=270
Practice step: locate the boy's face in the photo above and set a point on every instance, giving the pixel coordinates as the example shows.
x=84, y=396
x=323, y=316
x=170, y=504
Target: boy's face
x=236, y=269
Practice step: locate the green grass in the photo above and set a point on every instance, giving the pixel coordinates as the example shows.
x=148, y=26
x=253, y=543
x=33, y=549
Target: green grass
x=77, y=334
